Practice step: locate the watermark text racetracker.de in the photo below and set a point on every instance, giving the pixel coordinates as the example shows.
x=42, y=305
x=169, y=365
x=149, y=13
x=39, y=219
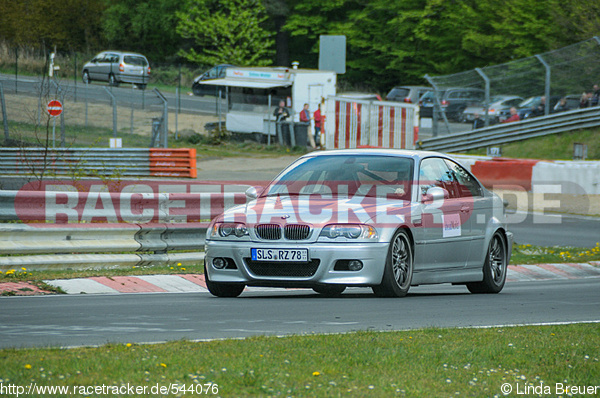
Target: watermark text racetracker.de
x=145, y=202
x=542, y=389
x=33, y=389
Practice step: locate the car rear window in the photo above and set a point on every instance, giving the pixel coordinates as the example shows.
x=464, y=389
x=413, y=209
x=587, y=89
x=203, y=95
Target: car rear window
x=134, y=60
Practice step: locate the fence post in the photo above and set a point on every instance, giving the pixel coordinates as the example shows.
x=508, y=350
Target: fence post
x=16, y=68
x=547, y=90
x=165, y=117
x=114, y=105
x=487, y=95
x=4, y=117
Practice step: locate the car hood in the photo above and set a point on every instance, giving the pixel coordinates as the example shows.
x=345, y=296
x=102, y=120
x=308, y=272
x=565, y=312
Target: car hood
x=319, y=211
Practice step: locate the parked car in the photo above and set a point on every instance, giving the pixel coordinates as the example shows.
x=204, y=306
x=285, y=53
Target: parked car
x=408, y=94
x=360, y=96
x=216, y=72
x=117, y=67
x=453, y=101
x=420, y=218
x=498, y=104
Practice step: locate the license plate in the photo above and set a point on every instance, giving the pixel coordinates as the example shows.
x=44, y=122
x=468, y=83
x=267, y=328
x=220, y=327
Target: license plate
x=292, y=255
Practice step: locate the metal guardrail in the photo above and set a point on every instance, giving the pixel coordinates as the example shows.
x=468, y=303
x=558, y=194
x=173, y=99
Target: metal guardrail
x=171, y=240
x=99, y=161
x=36, y=247
x=515, y=131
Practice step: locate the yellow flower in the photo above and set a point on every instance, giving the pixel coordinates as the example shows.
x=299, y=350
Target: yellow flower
x=179, y=264
x=183, y=269
x=24, y=269
x=316, y=374
x=28, y=366
x=128, y=345
x=163, y=365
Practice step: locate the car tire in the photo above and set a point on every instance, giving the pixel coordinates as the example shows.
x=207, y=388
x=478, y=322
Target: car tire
x=86, y=77
x=397, y=274
x=494, y=267
x=223, y=289
x=197, y=90
x=112, y=81
x=329, y=290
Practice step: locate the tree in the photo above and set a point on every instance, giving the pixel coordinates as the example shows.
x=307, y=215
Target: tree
x=66, y=24
x=142, y=26
x=226, y=31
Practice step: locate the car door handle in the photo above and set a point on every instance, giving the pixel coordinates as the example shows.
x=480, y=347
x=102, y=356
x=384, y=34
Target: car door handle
x=465, y=209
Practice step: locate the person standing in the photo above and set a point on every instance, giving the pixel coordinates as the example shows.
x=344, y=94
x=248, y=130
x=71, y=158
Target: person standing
x=514, y=116
x=281, y=113
x=318, y=119
x=305, y=114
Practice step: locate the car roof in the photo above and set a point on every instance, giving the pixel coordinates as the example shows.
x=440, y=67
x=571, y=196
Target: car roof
x=414, y=154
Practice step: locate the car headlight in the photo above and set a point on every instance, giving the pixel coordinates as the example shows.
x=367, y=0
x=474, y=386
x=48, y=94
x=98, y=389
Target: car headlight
x=225, y=229
x=350, y=231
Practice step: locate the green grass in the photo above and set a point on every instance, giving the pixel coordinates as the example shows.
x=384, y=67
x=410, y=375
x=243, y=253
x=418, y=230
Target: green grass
x=528, y=254
x=552, y=147
x=418, y=363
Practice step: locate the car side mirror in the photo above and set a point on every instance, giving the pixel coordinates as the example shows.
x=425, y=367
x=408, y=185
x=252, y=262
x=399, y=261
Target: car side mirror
x=434, y=194
x=251, y=193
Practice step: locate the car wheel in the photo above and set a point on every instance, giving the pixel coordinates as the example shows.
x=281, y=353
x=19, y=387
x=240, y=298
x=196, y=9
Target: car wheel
x=223, y=289
x=329, y=290
x=112, y=81
x=196, y=90
x=86, y=77
x=141, y=86
x=494, y=268
x=397, y=275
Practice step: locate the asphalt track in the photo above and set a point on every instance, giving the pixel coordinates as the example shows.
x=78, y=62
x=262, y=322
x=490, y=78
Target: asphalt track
x=95, y=319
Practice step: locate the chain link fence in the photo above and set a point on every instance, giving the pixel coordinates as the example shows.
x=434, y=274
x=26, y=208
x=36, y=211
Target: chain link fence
x=570, y=71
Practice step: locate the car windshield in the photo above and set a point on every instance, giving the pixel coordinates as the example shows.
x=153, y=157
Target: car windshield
x=365, y=175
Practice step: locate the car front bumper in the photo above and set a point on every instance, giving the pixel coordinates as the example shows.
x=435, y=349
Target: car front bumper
x=323, y=258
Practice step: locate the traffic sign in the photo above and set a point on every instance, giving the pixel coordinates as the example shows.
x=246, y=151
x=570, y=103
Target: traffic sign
x=54, y=108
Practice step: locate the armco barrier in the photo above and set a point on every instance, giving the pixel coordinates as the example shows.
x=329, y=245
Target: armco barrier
x=99, y=246
x=145, y=162
x=353, y=123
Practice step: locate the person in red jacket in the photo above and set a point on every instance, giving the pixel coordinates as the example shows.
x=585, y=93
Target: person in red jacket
x=514, y=116
x=317, y=118
x=305, y=114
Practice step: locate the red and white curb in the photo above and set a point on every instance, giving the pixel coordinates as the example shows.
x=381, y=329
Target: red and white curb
x=190, y=283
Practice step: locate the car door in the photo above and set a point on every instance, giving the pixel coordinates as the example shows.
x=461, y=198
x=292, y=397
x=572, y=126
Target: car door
x=476, y=211
x=446, y=240
x=95, y=67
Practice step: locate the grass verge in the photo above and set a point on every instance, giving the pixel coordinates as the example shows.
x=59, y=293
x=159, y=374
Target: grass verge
x=418, y=363
x=551, y=147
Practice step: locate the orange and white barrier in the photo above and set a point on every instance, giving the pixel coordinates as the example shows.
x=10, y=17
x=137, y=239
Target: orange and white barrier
x=354, y=123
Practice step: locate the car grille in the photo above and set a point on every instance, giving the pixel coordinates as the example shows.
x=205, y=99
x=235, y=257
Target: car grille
x=285, y=269
x=291, y=231
x=268, y=231
x=296, y=232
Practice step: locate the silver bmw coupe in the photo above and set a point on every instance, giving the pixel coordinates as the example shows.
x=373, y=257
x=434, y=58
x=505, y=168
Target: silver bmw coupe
x=380, y=218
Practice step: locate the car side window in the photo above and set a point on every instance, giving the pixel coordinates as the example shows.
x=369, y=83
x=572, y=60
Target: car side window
x=465, y=184
x=434, y=172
